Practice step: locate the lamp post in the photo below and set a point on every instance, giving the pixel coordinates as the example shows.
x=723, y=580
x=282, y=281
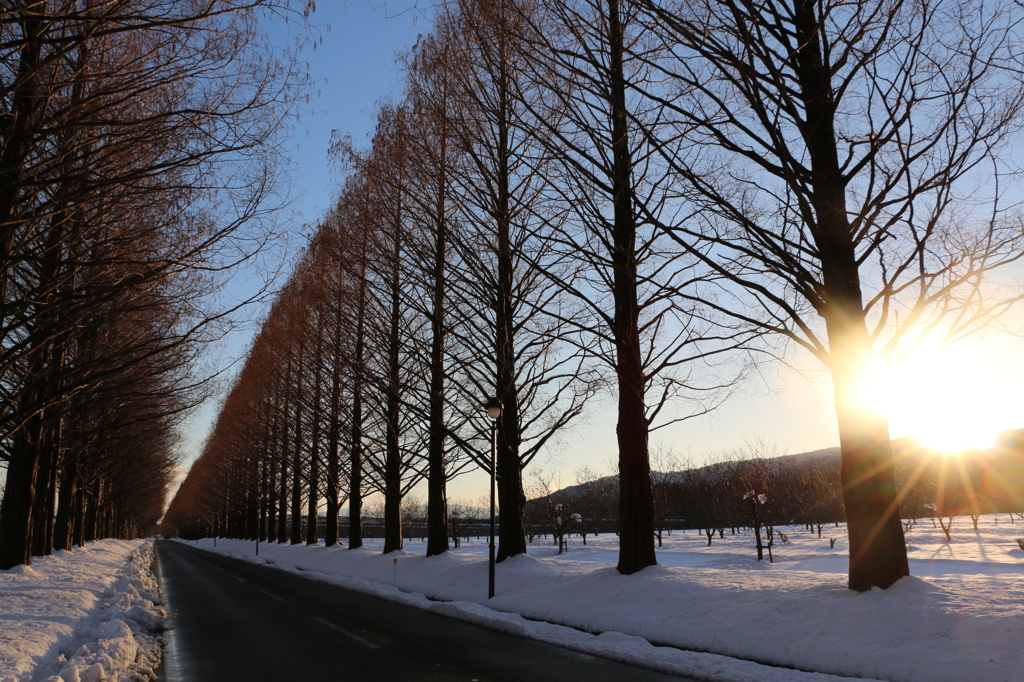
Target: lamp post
x=493, y=406
x=261, y=522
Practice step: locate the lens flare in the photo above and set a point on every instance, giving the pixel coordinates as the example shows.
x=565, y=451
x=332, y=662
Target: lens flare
x=952, y=400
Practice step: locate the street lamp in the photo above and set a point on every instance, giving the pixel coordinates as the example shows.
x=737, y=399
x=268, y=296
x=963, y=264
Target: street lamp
x=261, y=523
x=493, y=407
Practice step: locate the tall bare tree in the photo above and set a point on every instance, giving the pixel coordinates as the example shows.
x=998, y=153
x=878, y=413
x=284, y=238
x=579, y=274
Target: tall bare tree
x=845, y=162
x=434, y=153
x=642, y=301
x=502, y=281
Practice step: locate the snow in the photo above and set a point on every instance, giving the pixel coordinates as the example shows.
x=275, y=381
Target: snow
x=88, y=615
x=715, y=612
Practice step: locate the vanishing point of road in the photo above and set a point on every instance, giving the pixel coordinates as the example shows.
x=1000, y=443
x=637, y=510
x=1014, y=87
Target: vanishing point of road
x=232, y=620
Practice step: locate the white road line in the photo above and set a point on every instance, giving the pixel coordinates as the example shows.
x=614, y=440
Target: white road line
x=347, y=633
x=272, y=595
x=241, y=580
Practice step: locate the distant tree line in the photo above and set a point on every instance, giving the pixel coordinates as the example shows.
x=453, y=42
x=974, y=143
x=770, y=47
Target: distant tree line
x=629, y=197
x=137, y=163
x=799, y=490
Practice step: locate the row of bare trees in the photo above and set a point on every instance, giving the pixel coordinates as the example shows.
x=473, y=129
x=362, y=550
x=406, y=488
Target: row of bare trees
x=586, y=194
x=137, y=155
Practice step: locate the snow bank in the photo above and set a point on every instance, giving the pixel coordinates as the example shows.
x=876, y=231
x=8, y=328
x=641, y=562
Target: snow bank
x=89, y=615
x=960, y=617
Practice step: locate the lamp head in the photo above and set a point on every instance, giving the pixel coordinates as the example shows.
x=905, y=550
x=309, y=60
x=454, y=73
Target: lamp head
x=493, y=407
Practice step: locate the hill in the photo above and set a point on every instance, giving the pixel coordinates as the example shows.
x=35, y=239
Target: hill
x=805, y=487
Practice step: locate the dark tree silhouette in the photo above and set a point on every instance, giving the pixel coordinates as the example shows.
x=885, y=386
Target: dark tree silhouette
x=832, y=153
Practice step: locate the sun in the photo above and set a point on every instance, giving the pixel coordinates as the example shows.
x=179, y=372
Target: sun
x=954, y=399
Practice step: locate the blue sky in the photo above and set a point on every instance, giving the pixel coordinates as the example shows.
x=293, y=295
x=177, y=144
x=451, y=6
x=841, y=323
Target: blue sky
x=352, y=67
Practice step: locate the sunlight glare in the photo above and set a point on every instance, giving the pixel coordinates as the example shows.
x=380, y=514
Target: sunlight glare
x=951, y=400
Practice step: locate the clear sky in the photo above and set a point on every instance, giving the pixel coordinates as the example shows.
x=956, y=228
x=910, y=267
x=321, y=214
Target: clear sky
x=353, y=67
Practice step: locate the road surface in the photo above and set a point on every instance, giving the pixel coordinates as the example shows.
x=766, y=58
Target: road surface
x=234, y=621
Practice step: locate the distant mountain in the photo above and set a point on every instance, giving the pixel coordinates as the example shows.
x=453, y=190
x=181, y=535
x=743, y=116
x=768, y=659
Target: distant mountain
x=992, y=478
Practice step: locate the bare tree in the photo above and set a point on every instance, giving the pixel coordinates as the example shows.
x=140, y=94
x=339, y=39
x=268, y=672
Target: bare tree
x=833, y=154
x=502, y=285
x=434, y=154
x=653, y=339
x=397, y=328
x=593, y=498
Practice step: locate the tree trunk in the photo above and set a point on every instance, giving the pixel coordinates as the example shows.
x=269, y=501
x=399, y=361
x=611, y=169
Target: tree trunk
x=334, y=431
x=46, y=480
x=62, y=534
x=92, y=517
x=282, y=499
x=296, y=528
x=636, y=498
x=50, y=504
x=252, y=505
x=314, y=444
x=19, y=498
x=264, y=507
x=272, y=499
x=878, y=553
x=511, y=498
x=355, y=481
x=393, y=462
x=437, y=503
x=392, y=511
x=78, y=532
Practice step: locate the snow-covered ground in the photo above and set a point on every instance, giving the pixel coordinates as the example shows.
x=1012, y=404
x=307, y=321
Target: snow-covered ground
x=959, y=618
x=89, y=615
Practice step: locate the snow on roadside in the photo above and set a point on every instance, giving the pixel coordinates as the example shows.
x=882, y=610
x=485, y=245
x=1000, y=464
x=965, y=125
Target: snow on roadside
x=962, y=622
x=89, y=615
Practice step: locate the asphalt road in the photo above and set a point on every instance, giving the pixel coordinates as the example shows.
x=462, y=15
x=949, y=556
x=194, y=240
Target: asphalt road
x=232, y=620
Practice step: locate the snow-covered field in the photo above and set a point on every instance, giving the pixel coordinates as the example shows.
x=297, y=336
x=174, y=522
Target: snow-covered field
x=89, y=615
x=959, y=618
